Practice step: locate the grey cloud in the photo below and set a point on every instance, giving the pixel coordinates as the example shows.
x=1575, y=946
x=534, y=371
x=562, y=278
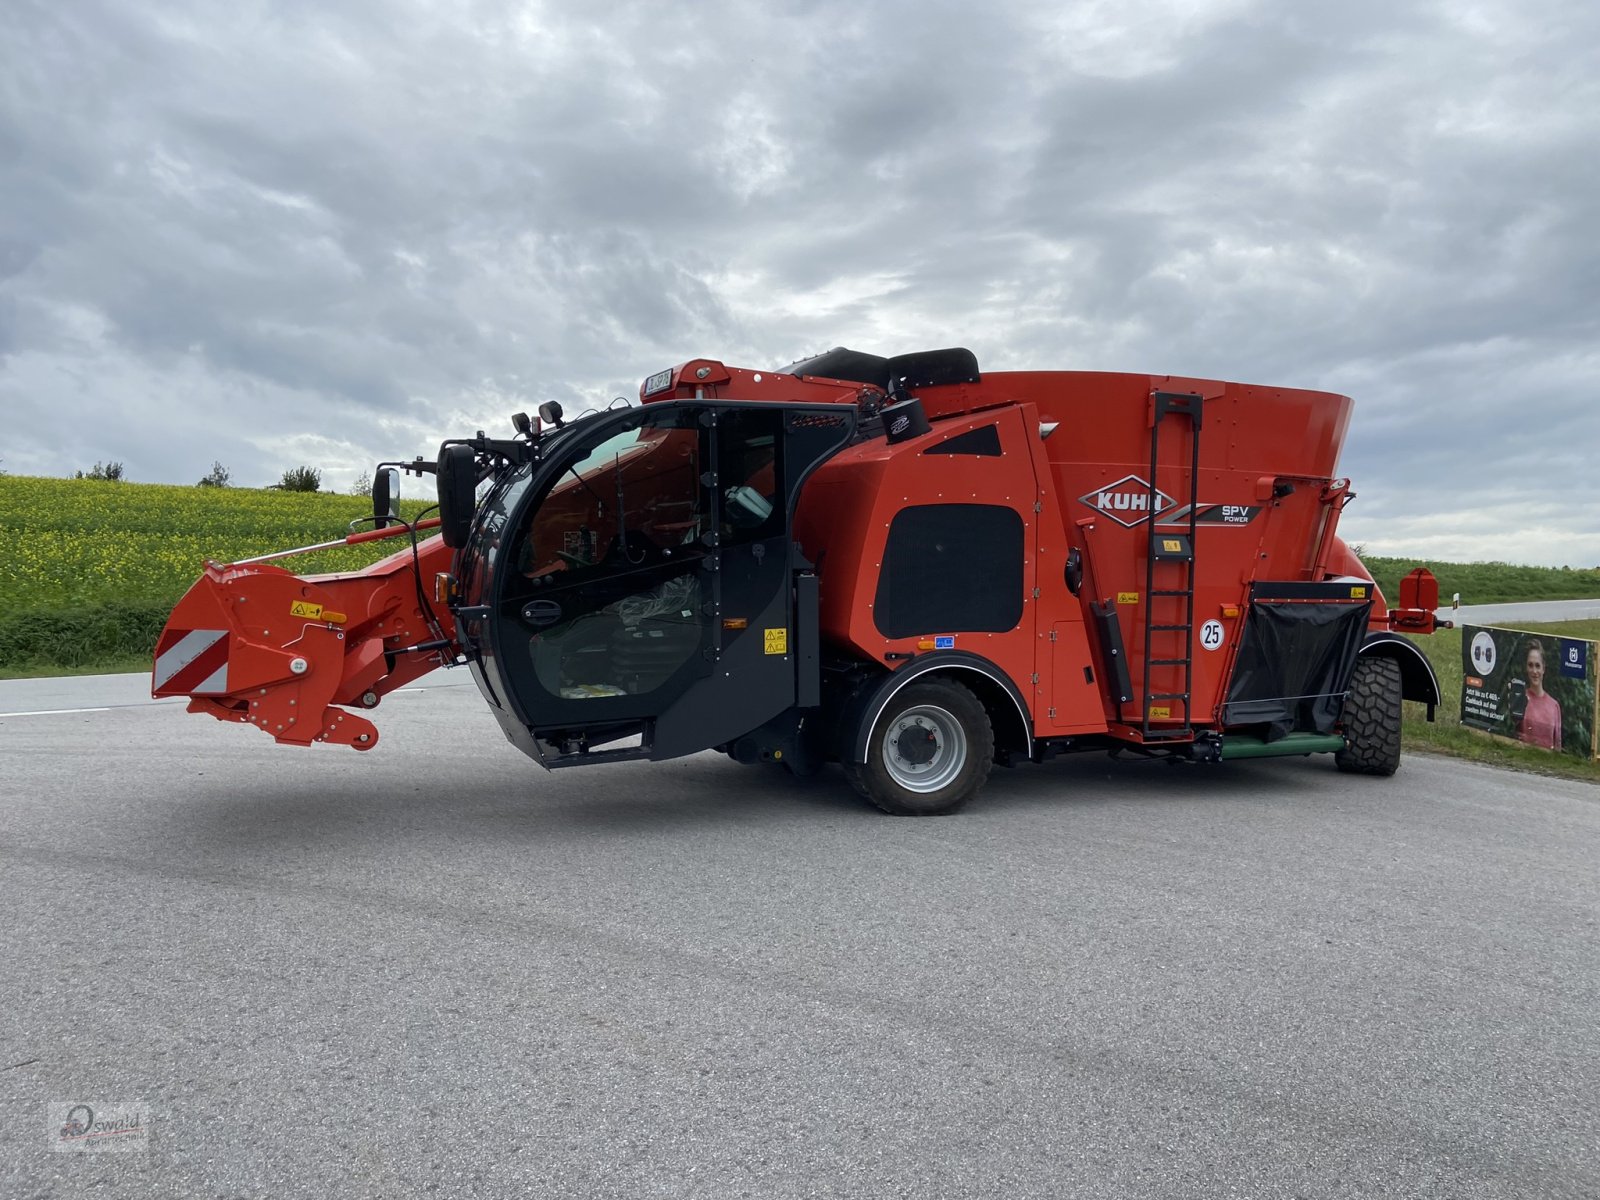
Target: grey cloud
x=367, y=222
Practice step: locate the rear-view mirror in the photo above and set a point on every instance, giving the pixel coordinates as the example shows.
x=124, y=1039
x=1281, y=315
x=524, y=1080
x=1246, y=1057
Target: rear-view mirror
x=458, y=492
x=385, y=492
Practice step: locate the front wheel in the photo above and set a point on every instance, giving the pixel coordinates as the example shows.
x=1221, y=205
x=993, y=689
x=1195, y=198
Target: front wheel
x=1372, y=713
x=928, y=753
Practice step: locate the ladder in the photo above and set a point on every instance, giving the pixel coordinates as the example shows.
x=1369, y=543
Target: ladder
x=1169, y=642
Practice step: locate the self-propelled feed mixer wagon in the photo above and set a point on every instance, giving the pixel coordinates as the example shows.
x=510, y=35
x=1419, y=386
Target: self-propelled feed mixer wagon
x=900, y=564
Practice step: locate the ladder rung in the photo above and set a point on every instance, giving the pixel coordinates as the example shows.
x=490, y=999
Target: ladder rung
x=1184, y=696
x=1169, y=662
x=1169, y=628
x=1174, y=592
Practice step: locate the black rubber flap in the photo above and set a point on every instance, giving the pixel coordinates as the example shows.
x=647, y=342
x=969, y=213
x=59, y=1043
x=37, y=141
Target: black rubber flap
x=935, y=368
x=924, y=368
x=1293, y=666
x=839, y=363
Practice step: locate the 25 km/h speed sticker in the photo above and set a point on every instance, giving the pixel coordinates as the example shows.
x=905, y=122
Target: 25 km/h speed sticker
x=1211, y=635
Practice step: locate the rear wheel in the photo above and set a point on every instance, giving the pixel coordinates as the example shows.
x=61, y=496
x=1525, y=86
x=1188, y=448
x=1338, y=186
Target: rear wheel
x=928, y=753
x=1372, y=711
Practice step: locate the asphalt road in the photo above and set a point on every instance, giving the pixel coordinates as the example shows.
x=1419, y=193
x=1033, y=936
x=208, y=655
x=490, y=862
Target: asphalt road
x=435, y=969
x=1522, y=610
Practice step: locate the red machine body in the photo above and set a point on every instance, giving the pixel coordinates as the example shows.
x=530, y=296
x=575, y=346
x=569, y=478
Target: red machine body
x=1086, y=554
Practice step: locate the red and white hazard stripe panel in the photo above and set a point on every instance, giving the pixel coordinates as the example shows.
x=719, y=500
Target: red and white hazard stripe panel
x=192, y=661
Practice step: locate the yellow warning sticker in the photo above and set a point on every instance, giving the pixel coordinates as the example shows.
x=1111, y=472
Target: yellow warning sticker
x=1358, y=593
x=315, y=612
x=1171, y=545
x=1127, y=597
x=1160, y=712
x=777, y=641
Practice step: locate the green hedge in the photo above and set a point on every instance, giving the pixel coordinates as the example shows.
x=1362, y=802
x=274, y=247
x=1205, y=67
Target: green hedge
x=1489, y=582
x=80, y=637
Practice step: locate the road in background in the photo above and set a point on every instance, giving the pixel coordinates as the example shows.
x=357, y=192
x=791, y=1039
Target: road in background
x=1532, y=612
x=435, y=967
x=80, y=693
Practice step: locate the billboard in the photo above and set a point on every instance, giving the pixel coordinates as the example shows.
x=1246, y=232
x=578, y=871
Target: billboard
x=1536, y=688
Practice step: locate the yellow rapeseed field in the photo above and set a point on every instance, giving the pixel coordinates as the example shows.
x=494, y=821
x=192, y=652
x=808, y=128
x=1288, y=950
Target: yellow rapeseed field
x=66, y=542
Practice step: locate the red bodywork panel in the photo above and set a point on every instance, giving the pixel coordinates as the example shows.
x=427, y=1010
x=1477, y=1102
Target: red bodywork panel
x=295, y=656
x=261, y=646
x=1268, y=497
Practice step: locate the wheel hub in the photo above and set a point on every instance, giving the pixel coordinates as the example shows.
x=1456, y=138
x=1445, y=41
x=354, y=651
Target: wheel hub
x=917, y=745
x=924, y=748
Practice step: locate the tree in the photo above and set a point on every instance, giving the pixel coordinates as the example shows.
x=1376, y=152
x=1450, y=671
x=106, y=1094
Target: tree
x=363, y=485
x=109, y=472
x=216, y=477
x=301, y=479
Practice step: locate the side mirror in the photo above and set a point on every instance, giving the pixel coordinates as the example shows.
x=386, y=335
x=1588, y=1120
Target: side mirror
x=458, y=493
x=385, y=490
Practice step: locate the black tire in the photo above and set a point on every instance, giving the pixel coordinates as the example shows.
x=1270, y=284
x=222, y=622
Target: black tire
x=942, y=720
x=1372, y=710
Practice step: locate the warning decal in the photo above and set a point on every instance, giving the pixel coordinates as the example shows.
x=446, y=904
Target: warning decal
x=777, y=641
x=190, y=661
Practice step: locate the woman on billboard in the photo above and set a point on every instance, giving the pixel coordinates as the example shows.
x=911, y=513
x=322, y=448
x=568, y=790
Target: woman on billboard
x=1541, y=720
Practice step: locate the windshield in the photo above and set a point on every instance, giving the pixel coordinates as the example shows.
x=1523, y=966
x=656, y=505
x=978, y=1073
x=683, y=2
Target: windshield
x=632, y=485
x=615, y=563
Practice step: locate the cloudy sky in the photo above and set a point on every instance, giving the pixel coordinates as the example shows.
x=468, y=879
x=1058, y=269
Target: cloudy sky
x=284, y=233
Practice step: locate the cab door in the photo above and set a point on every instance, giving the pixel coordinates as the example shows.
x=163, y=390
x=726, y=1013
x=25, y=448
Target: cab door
x=652, y=586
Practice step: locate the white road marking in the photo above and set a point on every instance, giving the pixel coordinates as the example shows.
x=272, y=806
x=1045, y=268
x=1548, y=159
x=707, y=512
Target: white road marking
x=53, y=712
x=57, y=712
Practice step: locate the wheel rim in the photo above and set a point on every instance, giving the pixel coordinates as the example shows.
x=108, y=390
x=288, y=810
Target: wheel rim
x=924, y=748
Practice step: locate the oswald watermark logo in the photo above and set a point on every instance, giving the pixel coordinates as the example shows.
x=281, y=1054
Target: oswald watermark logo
x=81, y=1128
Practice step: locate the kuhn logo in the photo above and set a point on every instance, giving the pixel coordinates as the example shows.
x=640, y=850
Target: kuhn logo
x=1127, y=501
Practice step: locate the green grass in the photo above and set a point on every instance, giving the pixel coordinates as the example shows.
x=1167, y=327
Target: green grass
x=120, y=665
x=89, y=570
x=1489, y=582
x=1446, y=735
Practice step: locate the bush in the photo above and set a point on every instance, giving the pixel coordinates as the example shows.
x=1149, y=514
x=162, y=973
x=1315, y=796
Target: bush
x=216, y=477
x=301, y=479
x=107, y=472
x=80, y=637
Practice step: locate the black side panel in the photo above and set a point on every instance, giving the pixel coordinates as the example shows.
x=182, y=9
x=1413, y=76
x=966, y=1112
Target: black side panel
x=935, y=368
x=753, y=678
x=983, y=442
x=951, y=568
x=839, y=363
x=1293, y=666
x=925, y=368
x=807, y=642
x=1323, y=590
x=1109, y=630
